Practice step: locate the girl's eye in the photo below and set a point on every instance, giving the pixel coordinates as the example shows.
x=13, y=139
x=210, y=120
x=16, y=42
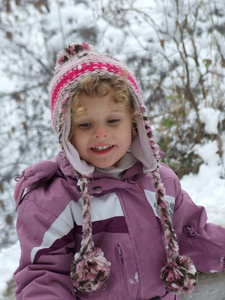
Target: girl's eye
x=113, y=121
x=84, y=125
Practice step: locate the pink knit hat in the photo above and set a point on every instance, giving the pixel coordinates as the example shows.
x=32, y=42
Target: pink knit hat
x=90, y=269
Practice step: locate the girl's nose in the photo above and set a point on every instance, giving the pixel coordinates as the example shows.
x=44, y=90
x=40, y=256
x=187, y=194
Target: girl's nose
x=100, y=132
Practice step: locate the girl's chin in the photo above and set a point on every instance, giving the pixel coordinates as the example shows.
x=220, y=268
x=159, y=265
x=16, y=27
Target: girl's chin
x=105, y=165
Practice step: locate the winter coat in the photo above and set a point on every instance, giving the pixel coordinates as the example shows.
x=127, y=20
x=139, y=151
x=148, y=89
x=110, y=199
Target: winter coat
x=125, y=225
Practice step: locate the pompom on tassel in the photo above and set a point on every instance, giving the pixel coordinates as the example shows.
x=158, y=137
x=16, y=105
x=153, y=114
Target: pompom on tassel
x=179, y=275
x=90, y=271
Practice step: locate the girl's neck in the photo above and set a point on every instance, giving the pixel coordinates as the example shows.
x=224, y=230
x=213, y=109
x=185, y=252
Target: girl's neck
x=126, y=162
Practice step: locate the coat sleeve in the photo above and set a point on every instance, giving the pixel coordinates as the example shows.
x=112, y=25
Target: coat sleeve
x=203, y=242
x=47, y=244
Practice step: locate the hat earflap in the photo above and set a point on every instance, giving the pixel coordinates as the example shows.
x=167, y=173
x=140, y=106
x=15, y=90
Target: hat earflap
x=179, y=275
x=90, y=268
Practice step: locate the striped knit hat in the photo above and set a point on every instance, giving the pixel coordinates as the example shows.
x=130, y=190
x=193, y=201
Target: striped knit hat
x=90, y=268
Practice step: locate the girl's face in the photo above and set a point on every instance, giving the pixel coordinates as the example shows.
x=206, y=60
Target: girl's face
x=102, y=133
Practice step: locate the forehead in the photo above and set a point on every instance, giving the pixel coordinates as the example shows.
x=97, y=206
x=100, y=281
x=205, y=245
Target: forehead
x=107, y=102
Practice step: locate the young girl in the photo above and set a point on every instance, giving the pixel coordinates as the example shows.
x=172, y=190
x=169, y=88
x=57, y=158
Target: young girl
x=106, y=219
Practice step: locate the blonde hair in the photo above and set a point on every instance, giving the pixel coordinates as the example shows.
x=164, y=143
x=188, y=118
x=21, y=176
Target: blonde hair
x=99, y=86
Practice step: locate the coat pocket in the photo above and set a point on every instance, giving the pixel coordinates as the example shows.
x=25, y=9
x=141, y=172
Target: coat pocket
x=128, y=271
x=207, y=256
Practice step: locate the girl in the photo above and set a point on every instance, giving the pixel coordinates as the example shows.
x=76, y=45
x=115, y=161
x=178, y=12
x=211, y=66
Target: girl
x=106, y=219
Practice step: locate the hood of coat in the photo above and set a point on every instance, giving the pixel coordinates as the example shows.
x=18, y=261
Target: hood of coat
x=74, y=63
x=39, y=172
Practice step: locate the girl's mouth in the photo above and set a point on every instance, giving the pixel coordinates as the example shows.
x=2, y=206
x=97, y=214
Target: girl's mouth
x=102, y=149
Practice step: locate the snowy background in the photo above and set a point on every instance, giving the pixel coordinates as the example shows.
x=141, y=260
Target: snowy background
x=177, y=53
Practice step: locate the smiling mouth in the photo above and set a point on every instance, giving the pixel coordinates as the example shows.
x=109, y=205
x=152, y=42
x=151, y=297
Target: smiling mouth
x=102, y=148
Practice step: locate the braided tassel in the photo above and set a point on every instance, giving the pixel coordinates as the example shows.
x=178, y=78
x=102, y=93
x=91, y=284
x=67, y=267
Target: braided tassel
x=179, y=275
x=90, y=268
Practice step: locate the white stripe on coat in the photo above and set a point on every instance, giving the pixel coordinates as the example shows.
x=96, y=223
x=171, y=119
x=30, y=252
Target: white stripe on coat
x=170, y=200
x=102, y=208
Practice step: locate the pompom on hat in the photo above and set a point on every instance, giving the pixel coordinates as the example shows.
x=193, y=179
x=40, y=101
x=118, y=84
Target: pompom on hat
x=90, y=268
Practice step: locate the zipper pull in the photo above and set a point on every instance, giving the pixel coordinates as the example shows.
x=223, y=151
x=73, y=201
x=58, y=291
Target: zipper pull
x=120, y=253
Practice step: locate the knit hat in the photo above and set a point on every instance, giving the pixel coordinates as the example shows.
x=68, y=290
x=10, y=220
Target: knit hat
x=90, y=268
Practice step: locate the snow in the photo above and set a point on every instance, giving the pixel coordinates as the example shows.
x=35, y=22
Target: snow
x=7, y=85
x=207, y=189
x=210, y=116
x=9, y=259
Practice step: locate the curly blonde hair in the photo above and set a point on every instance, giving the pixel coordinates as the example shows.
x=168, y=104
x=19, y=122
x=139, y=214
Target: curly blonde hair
x=100, y=86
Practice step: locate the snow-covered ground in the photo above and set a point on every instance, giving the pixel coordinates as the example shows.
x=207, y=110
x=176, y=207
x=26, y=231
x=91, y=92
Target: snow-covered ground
x=9, y=258
x=208, y=189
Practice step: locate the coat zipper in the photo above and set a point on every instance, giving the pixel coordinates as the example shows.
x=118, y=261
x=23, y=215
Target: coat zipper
x=122, y=267
x=119, y=251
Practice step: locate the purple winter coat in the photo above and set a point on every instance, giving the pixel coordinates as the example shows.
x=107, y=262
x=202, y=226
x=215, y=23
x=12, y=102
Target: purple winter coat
x=125, y=225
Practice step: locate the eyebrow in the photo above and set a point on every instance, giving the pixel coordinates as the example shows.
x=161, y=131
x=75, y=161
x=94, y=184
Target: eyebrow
x=119, y=110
